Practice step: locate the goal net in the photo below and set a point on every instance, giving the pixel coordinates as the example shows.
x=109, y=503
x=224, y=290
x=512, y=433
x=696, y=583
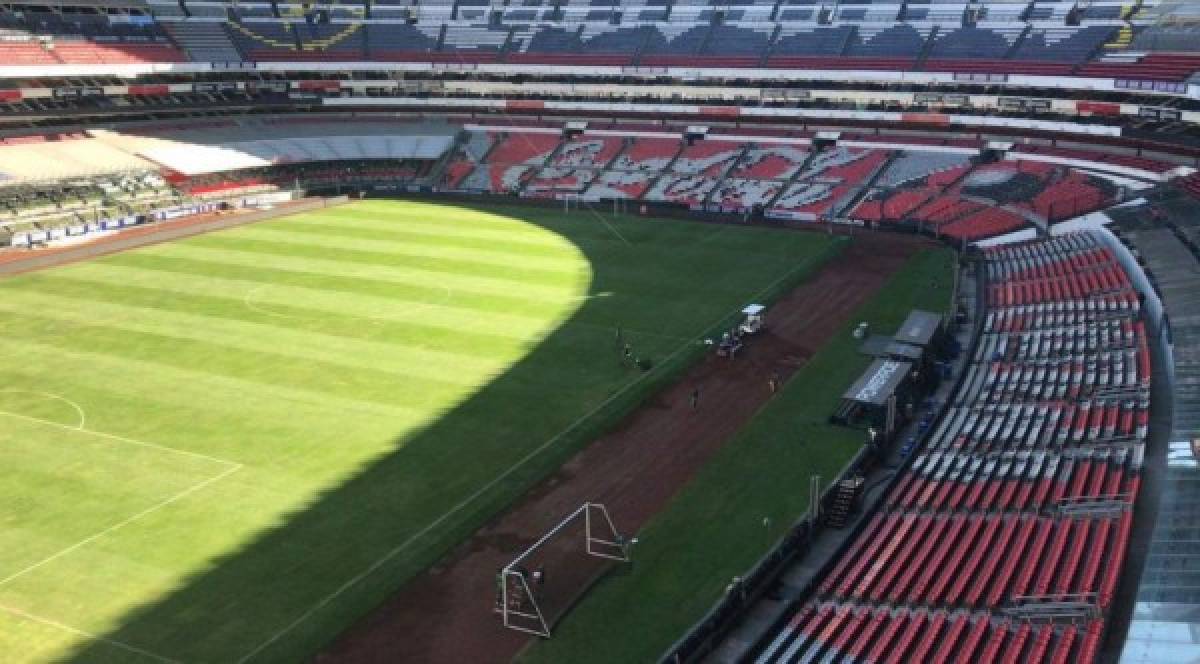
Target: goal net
x=540, y=585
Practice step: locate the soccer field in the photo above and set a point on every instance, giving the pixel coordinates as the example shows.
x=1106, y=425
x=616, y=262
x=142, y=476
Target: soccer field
x=227, y=448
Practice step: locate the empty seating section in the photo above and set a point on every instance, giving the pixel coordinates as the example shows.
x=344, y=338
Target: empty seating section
x=1063, y=44
x=474, y=38
x=809, y=200
x=204, y=41
x=554, y=181
x=398, y=41
x=574, y=166
x=743, y=194
x=772, y=162
x=1068, y=196
x=1131, y=161
x=690, y=190
x=516, y=156
x=620, y=184
x=962, y=202
x=981, y=224
x=911, y=166
x=854, y=632
x=588, y=152
x=998, y=36
x=710, y=157
x=1025, y=487
x=979, y=42
x=35, y=36
x=674, y=44
x=646, y=154
x=901, y=40
x=466, y=158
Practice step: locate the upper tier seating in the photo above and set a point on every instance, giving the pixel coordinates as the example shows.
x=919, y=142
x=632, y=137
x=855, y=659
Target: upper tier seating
x=978, y=42
x=1064, y=44
x=82, y=38
x=1044, y=38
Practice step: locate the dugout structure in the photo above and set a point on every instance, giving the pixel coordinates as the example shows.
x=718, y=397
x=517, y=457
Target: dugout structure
x=541, y=584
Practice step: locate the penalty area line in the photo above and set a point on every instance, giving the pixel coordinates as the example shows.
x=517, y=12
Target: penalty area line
x=120, y=439
x=121, y=524
x=88, y=635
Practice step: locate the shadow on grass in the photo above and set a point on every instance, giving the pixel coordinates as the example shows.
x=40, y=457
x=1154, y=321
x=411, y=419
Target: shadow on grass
x=398, y=515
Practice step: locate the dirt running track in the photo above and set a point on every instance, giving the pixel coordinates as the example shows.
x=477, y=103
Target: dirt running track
x=17, y=261
x=445, y=614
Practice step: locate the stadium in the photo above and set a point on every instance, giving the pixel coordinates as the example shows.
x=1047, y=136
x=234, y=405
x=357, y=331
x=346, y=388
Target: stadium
x=599, y=331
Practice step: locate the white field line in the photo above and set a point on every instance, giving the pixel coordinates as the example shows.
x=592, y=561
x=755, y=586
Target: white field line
x=121, y=524
x=57, y=397
x=248, y=298
x=502, y=476
x=631, y=331
x=605, y=222
x=95, y=637
x=120, y=439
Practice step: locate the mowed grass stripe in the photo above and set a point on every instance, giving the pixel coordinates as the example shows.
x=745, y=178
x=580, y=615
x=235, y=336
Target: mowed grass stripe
x=258, y=294
x=171, y=373
x=584, y=230
x=245, y=266
x=266, y=368
x=397, y=360
x=161, y=344
x=294, y=445
x=63, y=475
x=515, y=272
x=401, y=232
x=230, y=345
x=396, y=273
x=550, y=263
x=432, y=219
x=234, y=308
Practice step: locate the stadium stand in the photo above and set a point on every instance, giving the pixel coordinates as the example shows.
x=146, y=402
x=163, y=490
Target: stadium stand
x=1025, y=487
x=1098, y=39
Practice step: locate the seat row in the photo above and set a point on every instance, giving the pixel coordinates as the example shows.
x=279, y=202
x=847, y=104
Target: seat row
x=1055, y=426
x=1000, y=560
x=851, y=632
x=1040, y=480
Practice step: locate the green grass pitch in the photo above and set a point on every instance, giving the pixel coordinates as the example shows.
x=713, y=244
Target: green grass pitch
x=229, y=447
x=744, y=499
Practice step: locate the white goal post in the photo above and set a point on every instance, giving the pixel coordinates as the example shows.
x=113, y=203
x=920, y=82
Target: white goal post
x=522, y=599
x=570, y=200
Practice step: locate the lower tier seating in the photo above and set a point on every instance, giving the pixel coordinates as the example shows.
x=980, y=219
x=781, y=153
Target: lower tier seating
x=1025, y=488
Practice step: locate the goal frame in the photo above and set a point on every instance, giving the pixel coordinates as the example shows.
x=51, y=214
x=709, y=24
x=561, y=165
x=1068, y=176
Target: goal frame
x=571, y=199
x=532, y=619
